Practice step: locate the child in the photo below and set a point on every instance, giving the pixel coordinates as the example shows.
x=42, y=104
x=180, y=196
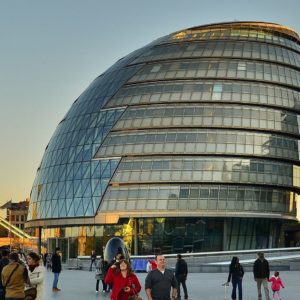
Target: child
x=276, y=284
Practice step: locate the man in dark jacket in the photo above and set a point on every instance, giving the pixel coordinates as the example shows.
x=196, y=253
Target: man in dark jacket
x=93, y=260
x=261, y=274
x=181, y=271
x=56, y=268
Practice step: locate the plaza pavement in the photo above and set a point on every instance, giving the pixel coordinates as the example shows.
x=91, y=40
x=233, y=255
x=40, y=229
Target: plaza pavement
x=80, y=285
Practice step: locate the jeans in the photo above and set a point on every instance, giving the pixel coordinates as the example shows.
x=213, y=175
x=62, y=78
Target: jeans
x=55, y=280
x=181, y=279
x=104, y=285
x=237, y=283
x=264, y=282
x=91, y=265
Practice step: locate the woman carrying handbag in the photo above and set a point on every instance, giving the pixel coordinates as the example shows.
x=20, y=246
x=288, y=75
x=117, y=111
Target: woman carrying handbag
x=236, y=273
x=124, y=281
x=36, y=272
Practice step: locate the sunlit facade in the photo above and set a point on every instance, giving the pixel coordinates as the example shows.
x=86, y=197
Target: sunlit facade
x=190, y=143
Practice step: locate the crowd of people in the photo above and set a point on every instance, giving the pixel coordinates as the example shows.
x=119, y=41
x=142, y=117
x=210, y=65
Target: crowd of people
x=22, y=277
x=162, y=283
x=119, y=278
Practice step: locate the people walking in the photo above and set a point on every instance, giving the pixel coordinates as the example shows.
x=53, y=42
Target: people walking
x=261, y=274
x=124, y=282
x=159, y=282
x=276, y=285
x=93, y=260
x=45, y=258
x=101, y=270
x=14, y=276
x=49, y=262
x=36, y=274
x=56, y=268
x=3, y=262
x=236, y=273
x=181, y=272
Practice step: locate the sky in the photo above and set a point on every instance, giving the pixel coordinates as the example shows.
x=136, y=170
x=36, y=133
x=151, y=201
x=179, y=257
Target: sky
x=50, y=51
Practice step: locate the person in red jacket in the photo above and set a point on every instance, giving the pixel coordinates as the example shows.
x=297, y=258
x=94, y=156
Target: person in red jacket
x=123, y=280
x=151, y=265
x=276, y=285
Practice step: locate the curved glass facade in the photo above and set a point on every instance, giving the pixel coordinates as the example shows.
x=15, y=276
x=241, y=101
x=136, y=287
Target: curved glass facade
x=207, y=91
x=209, y=115
x=246, y=50
x=231, y=69
x=191, y=142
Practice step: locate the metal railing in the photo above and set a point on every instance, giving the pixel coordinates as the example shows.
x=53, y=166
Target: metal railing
x=223, y=253
x=15, y=230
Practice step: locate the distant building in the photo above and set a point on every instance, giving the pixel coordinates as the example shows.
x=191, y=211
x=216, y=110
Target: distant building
x=16, y=213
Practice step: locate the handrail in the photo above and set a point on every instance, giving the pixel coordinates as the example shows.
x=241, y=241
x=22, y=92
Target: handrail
x=216, y=253
x=250, y=261
x=15, y=230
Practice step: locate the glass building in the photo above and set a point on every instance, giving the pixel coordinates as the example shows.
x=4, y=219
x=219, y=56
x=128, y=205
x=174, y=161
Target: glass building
x=190, y=143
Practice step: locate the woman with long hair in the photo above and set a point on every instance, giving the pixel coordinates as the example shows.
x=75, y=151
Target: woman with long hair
x=236, y=273
x=36, y=272
x=123, y=280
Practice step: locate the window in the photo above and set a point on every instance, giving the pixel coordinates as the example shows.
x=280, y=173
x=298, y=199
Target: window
x=241, y=66
x=155, y=68
x=184, y=192
x=217, y=88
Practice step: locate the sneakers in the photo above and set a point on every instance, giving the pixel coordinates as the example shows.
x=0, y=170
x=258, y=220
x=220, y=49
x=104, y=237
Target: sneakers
x=103, y=291
x=56, y=290
x=97, y=292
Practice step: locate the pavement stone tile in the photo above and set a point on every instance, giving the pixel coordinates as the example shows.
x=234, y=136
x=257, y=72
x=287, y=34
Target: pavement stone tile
x=80, y=285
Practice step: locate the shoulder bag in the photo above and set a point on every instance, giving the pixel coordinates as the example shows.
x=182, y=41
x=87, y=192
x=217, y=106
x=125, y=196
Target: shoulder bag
x=135, y=295
x=30, y=293
x=98, y=271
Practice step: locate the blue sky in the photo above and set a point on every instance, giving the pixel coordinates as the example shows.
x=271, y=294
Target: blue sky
x=51, y=50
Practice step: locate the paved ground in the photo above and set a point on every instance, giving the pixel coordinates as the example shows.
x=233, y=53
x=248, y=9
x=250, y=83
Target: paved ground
x=78, y=285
